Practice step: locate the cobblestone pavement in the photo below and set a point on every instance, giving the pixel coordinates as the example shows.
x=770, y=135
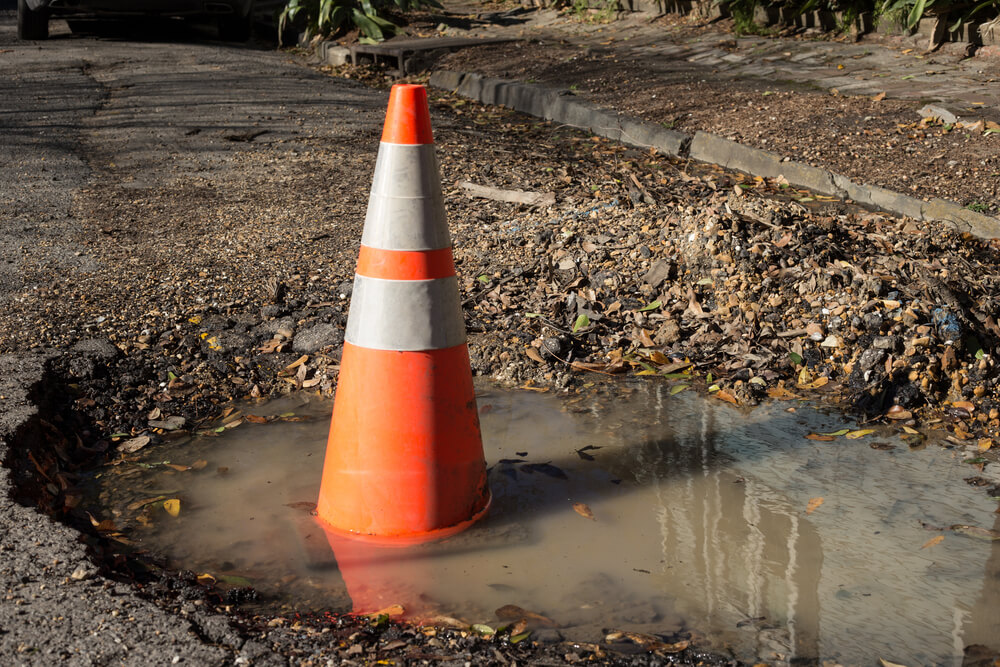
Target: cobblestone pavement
x=899, y=66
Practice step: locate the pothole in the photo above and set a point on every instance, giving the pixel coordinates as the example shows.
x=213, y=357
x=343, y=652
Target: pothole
x=777, y=533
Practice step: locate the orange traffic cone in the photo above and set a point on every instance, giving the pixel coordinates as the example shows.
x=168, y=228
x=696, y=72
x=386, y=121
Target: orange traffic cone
x=404, y=461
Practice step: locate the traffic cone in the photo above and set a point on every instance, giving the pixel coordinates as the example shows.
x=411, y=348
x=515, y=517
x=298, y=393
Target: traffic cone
x=404, y=461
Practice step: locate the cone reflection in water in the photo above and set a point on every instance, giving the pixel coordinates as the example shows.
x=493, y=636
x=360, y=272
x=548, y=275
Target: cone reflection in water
x=404, y=460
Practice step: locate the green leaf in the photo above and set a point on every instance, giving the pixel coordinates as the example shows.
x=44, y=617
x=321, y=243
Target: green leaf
x=652, y=306
x=171, y=376
x=483, y=630
x=582, y=322
x=678, y=388
x=677, y=376
x=483, y=278
x=714, y=388
x=367, y=26
x=843, y=431
x=917, y=12
x=980, y=354
x=532, y=314
x=796, y=359
x=709, y=377
x=234, y=580
x=519, y=638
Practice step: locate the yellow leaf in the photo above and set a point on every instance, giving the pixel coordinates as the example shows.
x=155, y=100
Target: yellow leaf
x=984, y=444
x=813, y=504
x=882, y=661
x=780, y=393
x=854, y=435
x=584, y=511
x=911, y=431
x=727, y=397
x=172, y=506
x=391, y=610
x=931, y=542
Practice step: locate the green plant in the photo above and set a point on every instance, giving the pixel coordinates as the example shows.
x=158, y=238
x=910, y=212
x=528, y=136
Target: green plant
x=326, y=17
x=978, y=207
x=742, y=12
x=585, y=11
x=910, y=11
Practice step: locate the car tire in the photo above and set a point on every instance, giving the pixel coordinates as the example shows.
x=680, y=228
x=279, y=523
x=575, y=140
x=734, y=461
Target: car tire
x=31, y=24
x=236, y=28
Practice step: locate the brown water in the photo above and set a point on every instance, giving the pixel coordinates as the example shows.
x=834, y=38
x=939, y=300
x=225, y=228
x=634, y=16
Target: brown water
x=701, y=524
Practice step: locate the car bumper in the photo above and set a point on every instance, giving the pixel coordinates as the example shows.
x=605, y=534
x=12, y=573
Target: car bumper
x=143, y=7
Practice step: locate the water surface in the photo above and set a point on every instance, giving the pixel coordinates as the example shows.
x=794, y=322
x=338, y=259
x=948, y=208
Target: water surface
x=707, y=521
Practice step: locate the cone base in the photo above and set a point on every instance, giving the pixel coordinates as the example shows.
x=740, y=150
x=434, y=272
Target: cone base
x=410, y=539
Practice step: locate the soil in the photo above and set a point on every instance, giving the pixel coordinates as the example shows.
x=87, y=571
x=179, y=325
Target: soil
x=880, y=141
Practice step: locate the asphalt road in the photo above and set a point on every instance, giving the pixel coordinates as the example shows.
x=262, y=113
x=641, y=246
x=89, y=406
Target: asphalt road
x=76, y=111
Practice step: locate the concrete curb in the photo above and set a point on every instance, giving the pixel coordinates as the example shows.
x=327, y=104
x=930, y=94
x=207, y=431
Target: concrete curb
x=562, y=107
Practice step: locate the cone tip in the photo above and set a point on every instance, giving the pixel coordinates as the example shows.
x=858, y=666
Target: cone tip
x=408, y=119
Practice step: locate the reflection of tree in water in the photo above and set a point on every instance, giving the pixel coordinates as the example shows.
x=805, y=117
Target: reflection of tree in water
x=735, y=552
x=981, y=631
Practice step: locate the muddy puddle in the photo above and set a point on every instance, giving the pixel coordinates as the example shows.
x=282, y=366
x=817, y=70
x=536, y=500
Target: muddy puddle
x=630, y=508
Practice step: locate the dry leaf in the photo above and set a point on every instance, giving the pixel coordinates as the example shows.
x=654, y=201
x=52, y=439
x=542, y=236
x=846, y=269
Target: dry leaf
x=879, y=97
x=882, y=661
x=813, y=504
x=172, y=506
x=933, y=541
x=391, y=610
x=985, y=444
x=199, y=464
x=727, y=397
x=965, y=405
x=977, y=532
x=821, y=381
x=511, y=612
x=584, y=511
x=145, y=501
x=781, y=393
x=820, y=437
x=134, y=444
x=298, y=362
x=854, y=435
x=532, y=354
x=898, y=412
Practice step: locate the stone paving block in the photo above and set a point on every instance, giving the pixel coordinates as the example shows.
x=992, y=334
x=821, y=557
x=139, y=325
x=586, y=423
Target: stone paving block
x=880, y=198
x=707, y=147
x=962, y=219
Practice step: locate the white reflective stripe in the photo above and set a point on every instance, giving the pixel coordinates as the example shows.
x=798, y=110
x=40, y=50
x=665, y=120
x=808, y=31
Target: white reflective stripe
x=405, y=315
x=406, y=208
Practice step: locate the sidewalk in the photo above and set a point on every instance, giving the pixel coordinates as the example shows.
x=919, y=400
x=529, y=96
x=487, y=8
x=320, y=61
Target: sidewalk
x=879, y=114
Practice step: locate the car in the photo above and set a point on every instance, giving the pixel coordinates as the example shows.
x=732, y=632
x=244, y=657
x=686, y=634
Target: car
x=234, y=17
